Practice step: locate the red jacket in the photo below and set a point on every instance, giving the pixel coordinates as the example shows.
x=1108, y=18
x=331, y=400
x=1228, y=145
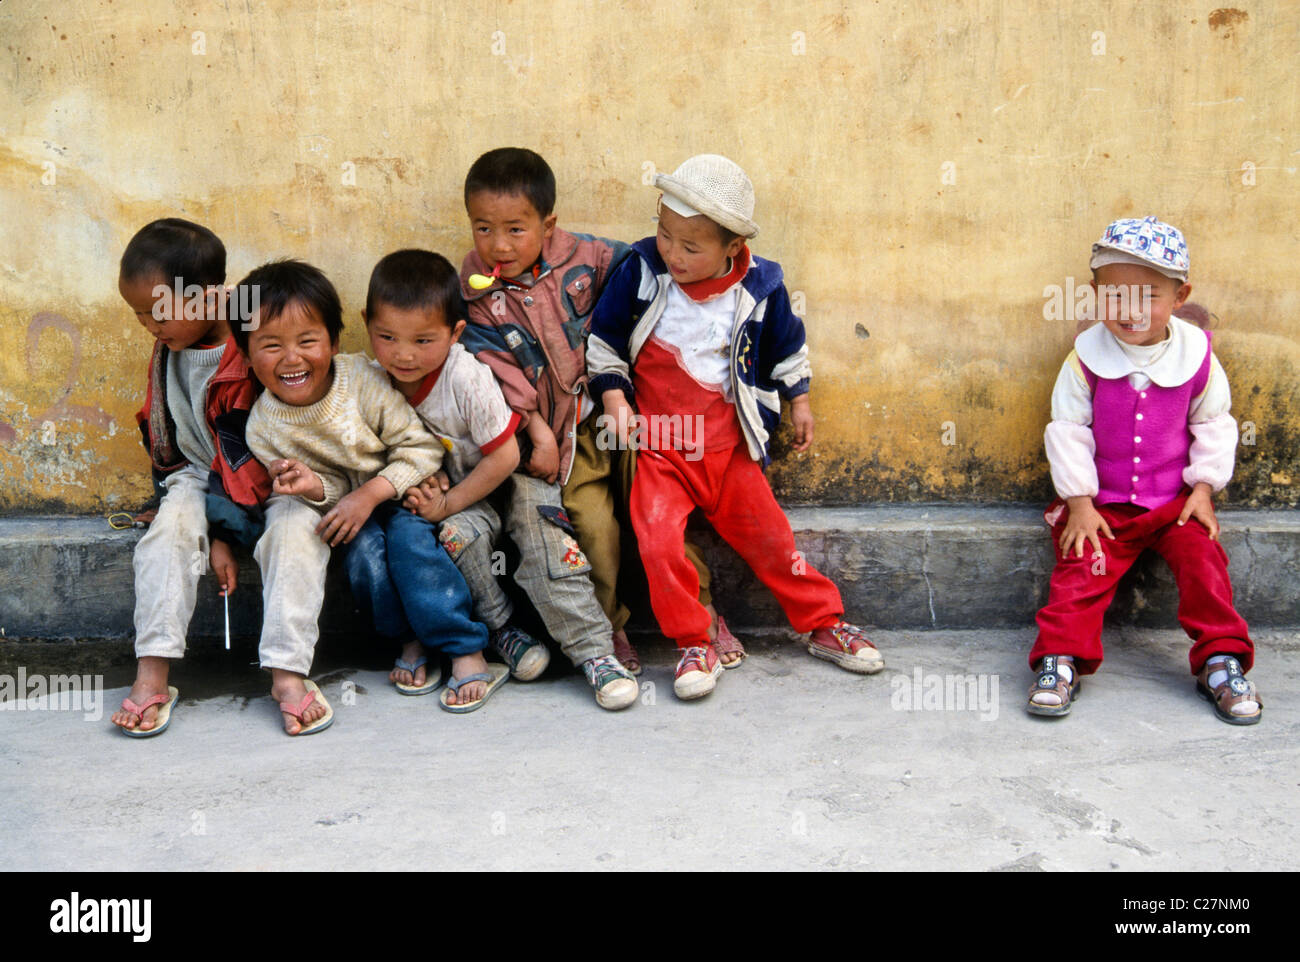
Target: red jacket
x=231, y=394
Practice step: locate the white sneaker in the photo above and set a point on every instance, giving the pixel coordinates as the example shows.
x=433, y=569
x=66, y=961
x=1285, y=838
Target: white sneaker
x=615, y=687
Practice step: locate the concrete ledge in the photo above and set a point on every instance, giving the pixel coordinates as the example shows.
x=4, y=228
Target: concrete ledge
x=939, y=566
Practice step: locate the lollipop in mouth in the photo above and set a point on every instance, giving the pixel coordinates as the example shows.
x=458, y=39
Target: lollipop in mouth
x=481, y=282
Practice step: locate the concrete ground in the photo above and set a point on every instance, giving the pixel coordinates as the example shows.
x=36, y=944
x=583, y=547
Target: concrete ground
x=790, y=764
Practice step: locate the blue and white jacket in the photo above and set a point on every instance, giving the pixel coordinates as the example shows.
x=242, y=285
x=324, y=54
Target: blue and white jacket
x=769, y=358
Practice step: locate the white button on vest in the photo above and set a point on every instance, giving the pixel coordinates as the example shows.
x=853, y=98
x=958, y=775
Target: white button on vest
x=1132, y=497
x=1137, y=440
x=1136, y=460
x=1143, y=394
x=1139, y=417
x=1135, y=477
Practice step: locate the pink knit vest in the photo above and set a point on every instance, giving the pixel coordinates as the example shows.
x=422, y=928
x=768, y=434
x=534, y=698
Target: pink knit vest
x=1142, y=437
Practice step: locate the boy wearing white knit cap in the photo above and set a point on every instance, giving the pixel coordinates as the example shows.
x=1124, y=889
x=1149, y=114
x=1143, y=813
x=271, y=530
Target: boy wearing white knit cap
x=698, y=333
x=1140, y=437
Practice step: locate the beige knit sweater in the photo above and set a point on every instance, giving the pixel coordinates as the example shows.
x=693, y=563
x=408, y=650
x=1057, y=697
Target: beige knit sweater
x=361, y=429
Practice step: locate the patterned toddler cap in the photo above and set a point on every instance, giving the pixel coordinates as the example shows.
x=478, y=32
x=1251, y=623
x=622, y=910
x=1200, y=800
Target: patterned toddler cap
x=1144, y=241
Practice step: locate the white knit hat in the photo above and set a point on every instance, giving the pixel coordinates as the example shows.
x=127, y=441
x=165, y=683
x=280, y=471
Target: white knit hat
x=714, y=186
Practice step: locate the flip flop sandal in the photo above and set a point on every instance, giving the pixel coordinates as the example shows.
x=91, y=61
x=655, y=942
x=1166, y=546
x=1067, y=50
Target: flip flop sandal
x=167, y=701
x=313, y=694
x=624, y=652
x=430, y=683
x=1233, y=690
x=726, y=643
x=1050, y=680
x=495, y=676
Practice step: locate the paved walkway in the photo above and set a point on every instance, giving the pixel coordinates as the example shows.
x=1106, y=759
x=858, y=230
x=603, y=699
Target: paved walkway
x=790, y=764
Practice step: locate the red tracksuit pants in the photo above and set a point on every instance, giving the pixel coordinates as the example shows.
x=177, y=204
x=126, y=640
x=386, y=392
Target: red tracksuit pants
x=1082, y=588
x=731, y=489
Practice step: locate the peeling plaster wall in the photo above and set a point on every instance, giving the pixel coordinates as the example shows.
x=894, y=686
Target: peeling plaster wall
x=924, y=171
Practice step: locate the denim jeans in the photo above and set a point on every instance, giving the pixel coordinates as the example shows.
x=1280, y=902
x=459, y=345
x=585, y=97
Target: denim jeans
x=405, y=583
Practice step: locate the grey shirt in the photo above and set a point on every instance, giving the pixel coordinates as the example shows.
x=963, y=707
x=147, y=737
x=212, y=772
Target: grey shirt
x=188, y=374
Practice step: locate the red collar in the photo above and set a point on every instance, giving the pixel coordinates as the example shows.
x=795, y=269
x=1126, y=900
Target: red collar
x=713, y=286
x=426, y=386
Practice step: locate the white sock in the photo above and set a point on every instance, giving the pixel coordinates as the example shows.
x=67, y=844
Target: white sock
x=1218, y=677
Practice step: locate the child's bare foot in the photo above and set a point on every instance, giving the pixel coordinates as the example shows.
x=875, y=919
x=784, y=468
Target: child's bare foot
x=150, y=680
x=287, y=686
x=728, y=646
x=463, y=666
x=625, y=653
x=412, y=652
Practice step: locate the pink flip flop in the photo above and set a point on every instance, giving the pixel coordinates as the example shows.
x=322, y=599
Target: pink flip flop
x=313, y=694
x=167, y=701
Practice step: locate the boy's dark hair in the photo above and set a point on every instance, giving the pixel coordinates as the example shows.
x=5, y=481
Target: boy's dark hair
x=513, y=170
x=412, y=278
x=172, y=248
x=280, y=283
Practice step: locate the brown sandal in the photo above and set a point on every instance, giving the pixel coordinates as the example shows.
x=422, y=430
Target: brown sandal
x=625, y=653
x=726, y=643
x=1050, y=680
x=1233, y=690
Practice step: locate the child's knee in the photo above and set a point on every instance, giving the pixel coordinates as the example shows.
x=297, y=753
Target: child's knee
x=366, y=561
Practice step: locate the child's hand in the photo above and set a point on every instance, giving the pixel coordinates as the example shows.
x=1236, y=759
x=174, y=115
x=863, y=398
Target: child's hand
x=1082, y=526
x=428, y=501
x=224, y=566
x=1200, y=507
x=417, y=494
x=292, y=477
x=802, y=418
x=342, y=522
x=544, y=462
x=616, y=406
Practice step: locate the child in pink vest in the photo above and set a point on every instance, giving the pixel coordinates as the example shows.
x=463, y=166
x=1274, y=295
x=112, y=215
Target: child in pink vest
x=1141, y=436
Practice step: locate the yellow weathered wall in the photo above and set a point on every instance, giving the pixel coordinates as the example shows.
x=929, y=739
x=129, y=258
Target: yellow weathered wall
x=924, y=169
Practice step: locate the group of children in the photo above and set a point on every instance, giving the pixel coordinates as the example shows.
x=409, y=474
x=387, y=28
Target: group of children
x=487, y=412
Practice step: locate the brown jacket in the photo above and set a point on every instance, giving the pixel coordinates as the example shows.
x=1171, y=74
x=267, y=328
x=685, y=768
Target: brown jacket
x=534, y=335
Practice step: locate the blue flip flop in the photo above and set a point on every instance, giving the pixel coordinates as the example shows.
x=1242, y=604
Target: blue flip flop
x=495, y=676
x=430, y=683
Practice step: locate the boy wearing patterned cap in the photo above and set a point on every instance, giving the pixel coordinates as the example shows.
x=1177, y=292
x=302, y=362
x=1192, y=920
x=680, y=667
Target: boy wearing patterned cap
x=1140, y=437
x=698, y=331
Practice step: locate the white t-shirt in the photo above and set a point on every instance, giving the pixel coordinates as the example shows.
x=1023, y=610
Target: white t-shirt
x=700, y=333
x=462, y=405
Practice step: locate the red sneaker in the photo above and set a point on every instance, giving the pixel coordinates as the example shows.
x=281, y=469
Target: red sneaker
x=847, y=646
x=697, y=672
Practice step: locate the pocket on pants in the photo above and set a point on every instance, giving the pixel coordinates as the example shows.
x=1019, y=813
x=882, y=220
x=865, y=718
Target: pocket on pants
x=564, y=558
x=456, y=534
